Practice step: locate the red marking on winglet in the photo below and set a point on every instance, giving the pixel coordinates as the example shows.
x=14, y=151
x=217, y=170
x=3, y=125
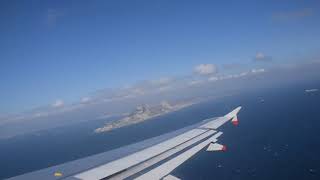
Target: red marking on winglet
x=235, y=122
x=224, y=148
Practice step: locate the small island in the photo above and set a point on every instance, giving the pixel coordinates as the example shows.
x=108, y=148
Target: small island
x=143, y=113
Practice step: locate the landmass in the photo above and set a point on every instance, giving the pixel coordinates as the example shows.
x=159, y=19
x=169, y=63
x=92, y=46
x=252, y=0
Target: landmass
x=143, y=113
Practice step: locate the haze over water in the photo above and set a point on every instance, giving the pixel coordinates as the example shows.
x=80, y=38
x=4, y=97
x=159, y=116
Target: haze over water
x=277, y=138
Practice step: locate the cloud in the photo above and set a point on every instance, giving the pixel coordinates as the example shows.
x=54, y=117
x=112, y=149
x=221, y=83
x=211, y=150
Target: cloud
x=85, y=99
x=255, y=71
x=53, y=15
x=213, y=78
x=161, y=81
x=261, y=57
x=138, y=91
x=58, y=103
x=233, y=66
x=234, y=76
x=243, y=74
x=164, y=88
x=205, y=69
x=40, y=114
x=195, y=82
x=301, y=13
x=122, y=100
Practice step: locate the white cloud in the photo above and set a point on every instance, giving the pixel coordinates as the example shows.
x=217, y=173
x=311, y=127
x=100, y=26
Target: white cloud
x=205, y=69
x=243, y=74
x=161, y=81
x=255, y=71
x=58, y=103
x=40, y=114
x=232, y=76
x=164, y=88
x=229, y=76
x=261, y=57
x=138, y=91
x=85, y=99
x=239, y=75
x=195, y=82
x=213, y=78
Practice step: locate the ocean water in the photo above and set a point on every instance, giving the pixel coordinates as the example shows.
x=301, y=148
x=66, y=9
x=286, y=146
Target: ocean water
x=277, y=138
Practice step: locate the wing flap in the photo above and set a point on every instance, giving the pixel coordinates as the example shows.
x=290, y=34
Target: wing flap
x=170, y=177
x=138, y=157
x=167, y=167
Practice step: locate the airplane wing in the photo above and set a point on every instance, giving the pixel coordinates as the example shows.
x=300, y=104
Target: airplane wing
x=153, y=158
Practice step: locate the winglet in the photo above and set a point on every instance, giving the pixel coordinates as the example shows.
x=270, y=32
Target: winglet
x=233, y=113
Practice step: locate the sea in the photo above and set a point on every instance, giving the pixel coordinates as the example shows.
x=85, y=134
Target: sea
x=278, y=137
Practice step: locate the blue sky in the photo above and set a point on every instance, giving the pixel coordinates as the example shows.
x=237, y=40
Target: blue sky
x=66, y=49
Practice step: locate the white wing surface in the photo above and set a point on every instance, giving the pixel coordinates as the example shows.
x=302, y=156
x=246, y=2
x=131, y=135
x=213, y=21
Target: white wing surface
x=153, y=158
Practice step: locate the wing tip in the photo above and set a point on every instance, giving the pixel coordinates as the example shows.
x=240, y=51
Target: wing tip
x=233, y=113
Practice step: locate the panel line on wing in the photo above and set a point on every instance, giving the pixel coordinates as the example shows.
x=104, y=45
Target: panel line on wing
x=162, y=156
x=167, y=167
x=138, y=157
